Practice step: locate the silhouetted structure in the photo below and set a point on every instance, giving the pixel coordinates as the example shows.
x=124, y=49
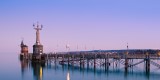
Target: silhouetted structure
x=37, y=47
x=24, y=51
x=38, y=70
x=24, y=48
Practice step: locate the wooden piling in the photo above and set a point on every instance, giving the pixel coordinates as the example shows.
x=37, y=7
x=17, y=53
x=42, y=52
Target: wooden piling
x=87, y=62
x=126, y=61
x=83, y=61
x=72, y=60
x=147, y=62
x=94, y=60
x=68, y=59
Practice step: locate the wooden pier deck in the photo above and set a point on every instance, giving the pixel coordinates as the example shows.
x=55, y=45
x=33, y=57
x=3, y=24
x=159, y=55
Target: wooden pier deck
x=102, y=58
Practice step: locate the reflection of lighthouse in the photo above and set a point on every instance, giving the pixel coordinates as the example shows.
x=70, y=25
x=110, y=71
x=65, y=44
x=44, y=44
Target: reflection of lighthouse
x=24, y=66
x=37, y=70
x=68, y=76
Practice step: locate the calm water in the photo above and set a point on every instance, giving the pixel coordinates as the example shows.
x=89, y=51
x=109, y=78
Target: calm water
x=13, y=69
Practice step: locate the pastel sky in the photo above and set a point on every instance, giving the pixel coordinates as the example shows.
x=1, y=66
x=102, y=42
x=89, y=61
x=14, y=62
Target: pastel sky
x=96, y=24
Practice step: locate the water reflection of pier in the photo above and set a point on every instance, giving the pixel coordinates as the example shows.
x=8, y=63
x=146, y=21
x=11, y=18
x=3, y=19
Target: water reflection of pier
x=37, y=68
x=101, y=70
x=24, y=66
x=117, y=71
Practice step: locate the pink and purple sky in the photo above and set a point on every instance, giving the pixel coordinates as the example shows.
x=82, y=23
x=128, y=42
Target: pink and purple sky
x=96, y=24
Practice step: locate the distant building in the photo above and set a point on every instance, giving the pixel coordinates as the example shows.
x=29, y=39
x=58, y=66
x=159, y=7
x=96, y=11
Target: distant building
x=24, y=48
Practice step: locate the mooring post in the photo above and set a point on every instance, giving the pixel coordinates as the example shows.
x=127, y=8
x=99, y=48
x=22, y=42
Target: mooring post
x=116, y=63
x=113, y=63
x=83, y=61
x=68, y=58
x=132, y=62
x=126, y=61
x=94, y=60
x=147, y=62
x=107, y=61
x=80, y=62
x=55, y=57
x=47, y=57
x=63, y=59
x=72, y=60
x=100, y=62
x=87, y=62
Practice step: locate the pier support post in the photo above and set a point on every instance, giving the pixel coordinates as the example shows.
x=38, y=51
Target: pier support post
x=147, y=62
x=62, y=59
x=94, y=60
x=83, y=61
x=72, y=60
x=55, y=57
x=80, y=61
x=87, y=62
x=107, y=61
x=126, y=61
x=68, y=59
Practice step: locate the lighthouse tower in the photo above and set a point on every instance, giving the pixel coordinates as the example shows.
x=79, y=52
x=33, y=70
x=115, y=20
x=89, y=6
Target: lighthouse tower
x=24, y=48
x=24, y=51
x=37, y=47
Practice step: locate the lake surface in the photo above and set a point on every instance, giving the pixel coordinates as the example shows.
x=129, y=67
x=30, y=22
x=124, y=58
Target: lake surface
x=11, y=68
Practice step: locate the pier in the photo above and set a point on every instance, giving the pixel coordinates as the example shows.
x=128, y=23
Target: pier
x=104, y=59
